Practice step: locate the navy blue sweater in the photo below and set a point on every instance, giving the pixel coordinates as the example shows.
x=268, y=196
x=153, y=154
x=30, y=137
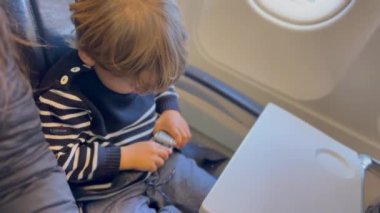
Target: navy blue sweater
x=85, y=123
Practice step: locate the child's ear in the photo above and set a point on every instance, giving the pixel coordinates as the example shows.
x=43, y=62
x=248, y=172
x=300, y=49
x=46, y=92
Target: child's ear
x=86, y=58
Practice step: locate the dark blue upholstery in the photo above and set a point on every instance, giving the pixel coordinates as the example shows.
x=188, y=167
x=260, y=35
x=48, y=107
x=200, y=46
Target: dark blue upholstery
x=46, y=22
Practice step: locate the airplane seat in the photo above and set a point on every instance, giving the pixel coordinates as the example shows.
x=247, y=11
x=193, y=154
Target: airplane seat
x=48, y=23
x=42, y=22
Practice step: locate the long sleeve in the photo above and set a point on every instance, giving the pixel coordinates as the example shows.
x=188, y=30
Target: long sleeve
x=66, y=123
x=30, y=179
x=167, y=100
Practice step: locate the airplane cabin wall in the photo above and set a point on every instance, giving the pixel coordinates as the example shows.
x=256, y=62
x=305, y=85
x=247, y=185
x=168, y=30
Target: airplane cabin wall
x=327, y=73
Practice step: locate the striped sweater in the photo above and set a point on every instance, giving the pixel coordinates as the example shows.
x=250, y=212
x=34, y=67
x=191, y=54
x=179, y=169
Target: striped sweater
x=85, y=123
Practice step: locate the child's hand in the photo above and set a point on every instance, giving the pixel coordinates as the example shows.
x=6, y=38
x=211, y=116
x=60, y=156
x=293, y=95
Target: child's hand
x=144, y=156
x=173, y=123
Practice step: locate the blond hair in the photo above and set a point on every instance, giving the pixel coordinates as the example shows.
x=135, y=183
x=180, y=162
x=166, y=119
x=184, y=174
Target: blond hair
x=133, y=38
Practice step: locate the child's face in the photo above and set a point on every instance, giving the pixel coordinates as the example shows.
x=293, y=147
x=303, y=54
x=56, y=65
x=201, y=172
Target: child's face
x=115, y=83
x=118, y=84
x=123, y=84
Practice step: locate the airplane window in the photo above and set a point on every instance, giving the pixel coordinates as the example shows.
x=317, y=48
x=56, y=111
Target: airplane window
x=315, y=58
x=301, y=12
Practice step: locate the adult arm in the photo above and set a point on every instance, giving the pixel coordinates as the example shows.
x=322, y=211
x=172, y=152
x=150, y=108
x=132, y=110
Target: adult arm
x=30, y=179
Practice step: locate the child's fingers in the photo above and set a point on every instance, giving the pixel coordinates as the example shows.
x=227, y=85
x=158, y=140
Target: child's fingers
x=164, y=152
x=187, y=134
x=176, y=135
x=159, y=162
x=183, y=137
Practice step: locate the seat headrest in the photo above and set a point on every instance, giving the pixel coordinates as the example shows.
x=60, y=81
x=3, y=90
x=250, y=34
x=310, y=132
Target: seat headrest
x=46, y=22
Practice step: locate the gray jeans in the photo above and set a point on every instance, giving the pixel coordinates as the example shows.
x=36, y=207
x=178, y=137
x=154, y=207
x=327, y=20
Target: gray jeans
x=179, y=186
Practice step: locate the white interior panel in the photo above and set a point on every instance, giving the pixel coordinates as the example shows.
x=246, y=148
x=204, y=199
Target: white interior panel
x=327, y=76
x=304, y=65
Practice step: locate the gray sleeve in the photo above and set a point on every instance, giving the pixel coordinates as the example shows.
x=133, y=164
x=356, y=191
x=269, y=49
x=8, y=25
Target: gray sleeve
x=30, y=179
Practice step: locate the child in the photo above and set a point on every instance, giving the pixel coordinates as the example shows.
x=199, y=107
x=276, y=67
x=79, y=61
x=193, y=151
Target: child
x=105, y=101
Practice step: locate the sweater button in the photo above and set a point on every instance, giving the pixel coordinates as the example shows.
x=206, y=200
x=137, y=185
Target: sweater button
x=75, y=69
x=64, y=80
